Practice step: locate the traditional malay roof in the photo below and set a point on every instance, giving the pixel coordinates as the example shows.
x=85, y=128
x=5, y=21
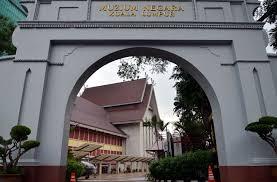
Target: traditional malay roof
x=104, y=107
x=89, y=114
x=117, y=94
x=130, y=113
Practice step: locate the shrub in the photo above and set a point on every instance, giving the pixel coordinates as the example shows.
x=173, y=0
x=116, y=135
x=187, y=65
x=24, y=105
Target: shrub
x=264, y=128
x=191, y=165
x=13, y=148
x=76, y=166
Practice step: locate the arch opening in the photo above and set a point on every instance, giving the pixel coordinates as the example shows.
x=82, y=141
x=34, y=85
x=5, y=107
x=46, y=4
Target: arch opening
x=159, y=53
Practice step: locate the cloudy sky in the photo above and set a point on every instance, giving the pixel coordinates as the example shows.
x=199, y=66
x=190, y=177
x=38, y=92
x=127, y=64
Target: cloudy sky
x=163, y=87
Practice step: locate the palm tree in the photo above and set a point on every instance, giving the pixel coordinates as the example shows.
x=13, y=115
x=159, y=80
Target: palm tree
x=158, y=125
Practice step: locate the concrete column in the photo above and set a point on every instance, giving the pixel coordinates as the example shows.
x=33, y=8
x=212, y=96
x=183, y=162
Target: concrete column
x=117, y=167
x=109, y=168
x=132, y=167
x=141, y=139
x=137, y=166
x=147, y=167
x=125, y=167
x=142, y=166
x=100, y=168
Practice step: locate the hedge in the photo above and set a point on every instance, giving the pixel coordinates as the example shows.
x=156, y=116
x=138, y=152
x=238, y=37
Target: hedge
x=189, y=166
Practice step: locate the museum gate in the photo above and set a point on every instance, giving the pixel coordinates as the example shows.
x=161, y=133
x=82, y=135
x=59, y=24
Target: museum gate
x=63, y=42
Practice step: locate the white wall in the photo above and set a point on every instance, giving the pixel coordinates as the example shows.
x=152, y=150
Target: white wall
x=133, y=139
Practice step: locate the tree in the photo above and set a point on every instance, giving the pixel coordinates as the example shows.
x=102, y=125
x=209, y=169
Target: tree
x=264, y=128
x=193, y=130
x=157, y=124
x=6, y=31
x=13, y=148
x=191, y=102
x=131, y=69
x=267, y=12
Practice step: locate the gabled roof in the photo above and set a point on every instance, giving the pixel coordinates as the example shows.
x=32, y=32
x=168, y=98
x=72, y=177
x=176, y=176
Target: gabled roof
x=89, y=114
x=117, y=94
x=130, y=113
x=105, y=106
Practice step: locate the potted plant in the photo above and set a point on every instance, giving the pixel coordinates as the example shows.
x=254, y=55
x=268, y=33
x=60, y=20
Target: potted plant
x=11, y=150
x=264, y=128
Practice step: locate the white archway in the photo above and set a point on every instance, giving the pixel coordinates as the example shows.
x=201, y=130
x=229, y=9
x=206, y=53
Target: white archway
x=58, y=50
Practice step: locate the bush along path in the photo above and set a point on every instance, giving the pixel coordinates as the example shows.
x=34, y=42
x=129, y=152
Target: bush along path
x=189, y=166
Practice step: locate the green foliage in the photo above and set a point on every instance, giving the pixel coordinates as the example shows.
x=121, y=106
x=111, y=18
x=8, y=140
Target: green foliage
x=265, y=125
x=13, y=148
x=2, y=151
x=259, y=128
x=157, y=124
x=20, y=132
x=267, y=12
x=264, y=128
x=74, y=165
x=6, y=30
x=193, y=107
x=195, y=132
x=191, y=165
x=14, y=170
x=5, y=142
x=131, y=69
x=269, y=120
x=30, y=144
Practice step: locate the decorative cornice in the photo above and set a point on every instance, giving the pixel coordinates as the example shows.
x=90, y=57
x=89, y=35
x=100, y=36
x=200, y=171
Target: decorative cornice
x=89, y=24
x=38, y=61
x=244, y=61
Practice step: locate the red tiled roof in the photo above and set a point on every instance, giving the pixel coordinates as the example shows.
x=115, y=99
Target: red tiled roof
x=130, y=113
x=116, y=94
x=127, y=103
x=88, y=113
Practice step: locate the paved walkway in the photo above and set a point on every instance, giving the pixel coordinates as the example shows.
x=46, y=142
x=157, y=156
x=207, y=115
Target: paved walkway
x=124, y=177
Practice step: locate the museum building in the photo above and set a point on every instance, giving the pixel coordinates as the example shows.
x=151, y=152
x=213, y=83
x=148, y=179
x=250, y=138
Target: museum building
x=112, y=116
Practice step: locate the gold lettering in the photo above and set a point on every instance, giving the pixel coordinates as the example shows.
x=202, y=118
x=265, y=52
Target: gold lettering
x=160, y=13
x=110, y=7
x=133, y=8
x=127, y=7
x=124, y=10
x=160, y=8
x=172, y=14
x=147, y=8
x=115, y=7
x=103, y=8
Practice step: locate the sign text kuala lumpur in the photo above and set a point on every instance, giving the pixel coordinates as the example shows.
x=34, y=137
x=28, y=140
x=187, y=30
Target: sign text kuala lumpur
x=130, y=10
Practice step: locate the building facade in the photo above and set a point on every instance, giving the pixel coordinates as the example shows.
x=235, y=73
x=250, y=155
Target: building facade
x=12, y=10
x=112, y=116
x=209, y=39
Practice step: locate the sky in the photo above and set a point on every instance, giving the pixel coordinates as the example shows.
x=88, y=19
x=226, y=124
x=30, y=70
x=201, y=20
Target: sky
x=163, y=87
